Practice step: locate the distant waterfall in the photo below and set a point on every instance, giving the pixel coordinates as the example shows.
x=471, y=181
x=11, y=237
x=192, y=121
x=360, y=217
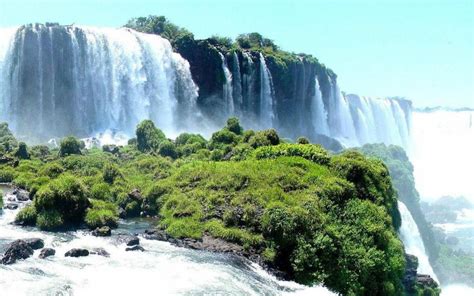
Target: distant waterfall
x=410, y=235
x=58, y=80
x=237, y=84
x=267, y=115
x=227, y=87
x=318, y=111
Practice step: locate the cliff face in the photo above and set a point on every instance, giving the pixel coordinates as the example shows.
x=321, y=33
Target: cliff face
x=291, y=78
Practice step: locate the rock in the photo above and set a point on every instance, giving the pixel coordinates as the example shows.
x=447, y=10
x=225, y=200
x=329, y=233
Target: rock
x=35, y=243
x=452, y=240
x=129, y=240
x=46, y=252
x=102, y=231
x=122, y=213
x=21, y=195
x=135, y=195
x=77, y=253
x=11, y=206
x=426, y=281
x=100, y=252
x=18, y=249
x=135, y=248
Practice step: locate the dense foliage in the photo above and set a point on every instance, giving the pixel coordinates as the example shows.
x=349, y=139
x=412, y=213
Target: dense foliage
x=401, y=170
x=318, y=217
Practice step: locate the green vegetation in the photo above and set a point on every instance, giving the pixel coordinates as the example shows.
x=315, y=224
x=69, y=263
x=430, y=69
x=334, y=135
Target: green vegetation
x=318, y=217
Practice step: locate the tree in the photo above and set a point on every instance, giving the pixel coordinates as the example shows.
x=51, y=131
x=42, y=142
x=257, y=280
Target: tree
x=22, y=152
x=69, y=145
x=148, y=136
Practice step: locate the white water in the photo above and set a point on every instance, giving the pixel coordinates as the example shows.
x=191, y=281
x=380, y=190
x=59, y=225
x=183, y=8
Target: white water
x=162, y=269
x=267, y=112
x=227, y=87
x=410, y=235
x=318, y=111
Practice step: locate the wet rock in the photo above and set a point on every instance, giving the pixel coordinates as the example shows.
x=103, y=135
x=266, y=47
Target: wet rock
x=77, y=253
x=46, y=252
x=100, y=252
x=102, y=231
x=135, y=248
x=35, y=243
x=11, y=206
x=21, y=195
x=129, y=240
x=135, y=195
x=122, y=213
x=426, y=281
x=18, y=249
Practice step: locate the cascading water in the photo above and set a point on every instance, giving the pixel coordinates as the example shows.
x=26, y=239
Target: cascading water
x=161, y=268
x=411, y=238
x=318, y=111
x=58, y=80
x=237, y=84
x=340, y=119
x=227, y=87
x=267, y=115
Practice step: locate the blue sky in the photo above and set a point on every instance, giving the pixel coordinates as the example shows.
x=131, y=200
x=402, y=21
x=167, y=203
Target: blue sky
x=422, y=50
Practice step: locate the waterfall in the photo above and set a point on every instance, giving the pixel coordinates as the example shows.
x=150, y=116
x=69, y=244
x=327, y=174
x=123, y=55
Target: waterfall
x=227, y=87
x=318, y=111
x=267, y=116
x=340, y=118
x=237, y=85
x=59, y=80
x=410, y=235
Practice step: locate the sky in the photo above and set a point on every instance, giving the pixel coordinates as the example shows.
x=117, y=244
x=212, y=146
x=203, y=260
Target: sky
x=418, y=49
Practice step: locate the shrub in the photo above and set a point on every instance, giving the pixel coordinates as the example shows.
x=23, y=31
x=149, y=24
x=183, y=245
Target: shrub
x=148, y=136
x=167, y=149
x=313, y=153
x=6, y=174
x=302, y=140
x=101, y=191
x=101, y=213
x=26, y=216
x=69, y=146
x=264, y=138
x=63, y=200
x=52, y=170
x=110, y=173
x=50, y=220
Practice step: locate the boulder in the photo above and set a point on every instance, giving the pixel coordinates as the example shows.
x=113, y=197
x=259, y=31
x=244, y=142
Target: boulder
x=102, y=231
x=135, y=248
x=114, y=149
x=21, y=195
x=77, y=253
x=35, y=243
x=46, y=252
x=18, y=249
x=129, y=240
x=100, y=252
x=11, y=206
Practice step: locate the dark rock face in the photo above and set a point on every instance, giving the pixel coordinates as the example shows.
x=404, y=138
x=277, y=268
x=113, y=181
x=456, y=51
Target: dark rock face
x=102, y=231
x=129, y=240
x=135, y=248
x=100, y=252
x=414, y=282
x=35, y=243
x=114, y=149
x=47, y=252
x=77, y=253
x=17, y=250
